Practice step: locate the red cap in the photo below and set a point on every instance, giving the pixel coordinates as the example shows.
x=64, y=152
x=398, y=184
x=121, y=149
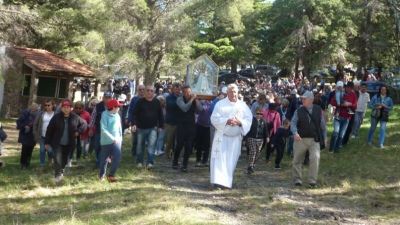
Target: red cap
x=66, y=103
x=113, y=103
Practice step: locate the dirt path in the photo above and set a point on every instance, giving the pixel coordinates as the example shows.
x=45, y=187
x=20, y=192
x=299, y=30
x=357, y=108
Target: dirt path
x=275, y=198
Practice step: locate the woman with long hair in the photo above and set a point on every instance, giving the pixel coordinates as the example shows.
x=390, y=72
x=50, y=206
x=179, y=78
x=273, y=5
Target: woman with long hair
x=40, y=128
x=383, y=103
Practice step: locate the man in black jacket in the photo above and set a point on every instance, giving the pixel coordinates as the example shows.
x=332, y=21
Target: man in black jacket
x=147, y=121
x=61, y=133
x=186, y=126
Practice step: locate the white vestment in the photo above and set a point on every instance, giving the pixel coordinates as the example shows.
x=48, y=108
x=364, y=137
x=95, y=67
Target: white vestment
x=227, y=141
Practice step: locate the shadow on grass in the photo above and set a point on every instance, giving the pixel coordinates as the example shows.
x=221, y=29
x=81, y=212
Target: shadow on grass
x=357, y=185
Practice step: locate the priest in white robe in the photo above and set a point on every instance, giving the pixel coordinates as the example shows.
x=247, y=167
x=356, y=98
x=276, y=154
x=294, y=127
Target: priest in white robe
x=232, y=120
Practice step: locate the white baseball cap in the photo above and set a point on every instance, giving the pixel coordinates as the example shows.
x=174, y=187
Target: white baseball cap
x=339, y=84
x=224, y=90
x=122, y=98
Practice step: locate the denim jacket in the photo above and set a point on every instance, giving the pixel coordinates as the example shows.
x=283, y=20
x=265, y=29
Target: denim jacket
x=378, y=100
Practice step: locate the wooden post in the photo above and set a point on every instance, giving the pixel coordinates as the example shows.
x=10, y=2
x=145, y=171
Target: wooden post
x=33, y=88
x=70, y=87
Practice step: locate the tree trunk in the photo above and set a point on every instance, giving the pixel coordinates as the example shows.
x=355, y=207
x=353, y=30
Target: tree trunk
x=234, y=64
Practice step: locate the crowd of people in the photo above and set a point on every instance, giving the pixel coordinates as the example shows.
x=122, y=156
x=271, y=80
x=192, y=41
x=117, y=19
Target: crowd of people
x=165, y=119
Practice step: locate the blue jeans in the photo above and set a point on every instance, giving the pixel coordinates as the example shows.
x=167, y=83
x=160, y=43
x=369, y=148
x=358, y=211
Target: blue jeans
x=113, y=150
x=43, y=152
x=134, y=143
x=382, y=130
x=160, y=141
x=143, y=135
x=80, y=145
x=339, y=128
x=84, y=95
x=358, y=120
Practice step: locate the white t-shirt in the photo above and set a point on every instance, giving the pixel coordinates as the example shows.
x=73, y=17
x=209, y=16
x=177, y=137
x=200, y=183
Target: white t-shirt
x=362, y=103
x=46, y=120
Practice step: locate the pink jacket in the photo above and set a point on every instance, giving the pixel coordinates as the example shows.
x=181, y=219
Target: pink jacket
x=272, y=116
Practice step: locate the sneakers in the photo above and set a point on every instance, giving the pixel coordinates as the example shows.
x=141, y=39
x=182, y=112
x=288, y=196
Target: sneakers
x=205, y=164
x=111, y=179
x=184, y=169
x=160, y=152
x=102, y=179
x=198, y=164
x=249, y=170
x=58, y=178
x=139, y=165
x=350, y=112
x=313, y=185
x=381, y=146
x=277, y=167
x=69, y=164
x=149, y=166
x=353, y=136
x=156, y=152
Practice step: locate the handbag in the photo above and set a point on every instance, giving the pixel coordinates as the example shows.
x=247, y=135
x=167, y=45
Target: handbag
x=3, y=135
x=319, y=132
x=376, y=113
x=384, y=115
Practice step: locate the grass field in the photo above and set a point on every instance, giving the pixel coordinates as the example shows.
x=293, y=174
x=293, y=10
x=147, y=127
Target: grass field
x=359, y=185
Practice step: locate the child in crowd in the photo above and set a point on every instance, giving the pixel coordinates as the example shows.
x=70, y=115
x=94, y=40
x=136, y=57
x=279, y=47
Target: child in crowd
x=255, y=137
x=279, y=142
x=339, y=99
x=111, y=139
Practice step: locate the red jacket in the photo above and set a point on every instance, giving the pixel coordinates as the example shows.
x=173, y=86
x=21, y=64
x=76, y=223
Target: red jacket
x=85, y=116
x=349, y=97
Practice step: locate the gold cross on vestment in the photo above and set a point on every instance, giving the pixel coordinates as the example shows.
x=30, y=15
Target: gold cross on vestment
x=216, y=151
x=237, y=111
x=218, y=141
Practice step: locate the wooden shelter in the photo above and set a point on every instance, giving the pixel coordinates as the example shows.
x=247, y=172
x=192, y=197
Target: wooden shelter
x=33, y=75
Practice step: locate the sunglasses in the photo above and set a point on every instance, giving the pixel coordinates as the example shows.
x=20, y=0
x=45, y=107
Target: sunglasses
x=260, y=114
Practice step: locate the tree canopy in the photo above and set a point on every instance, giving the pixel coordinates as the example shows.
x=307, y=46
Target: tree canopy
x=149, y=38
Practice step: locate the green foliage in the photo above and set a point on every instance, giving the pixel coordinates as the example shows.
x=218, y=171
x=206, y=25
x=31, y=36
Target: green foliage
x=140, y=36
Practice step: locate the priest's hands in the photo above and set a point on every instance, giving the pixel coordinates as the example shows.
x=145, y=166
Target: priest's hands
x=233, y=122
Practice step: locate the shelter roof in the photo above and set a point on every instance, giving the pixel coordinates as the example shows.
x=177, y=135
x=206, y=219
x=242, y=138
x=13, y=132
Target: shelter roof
x=45, y=61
